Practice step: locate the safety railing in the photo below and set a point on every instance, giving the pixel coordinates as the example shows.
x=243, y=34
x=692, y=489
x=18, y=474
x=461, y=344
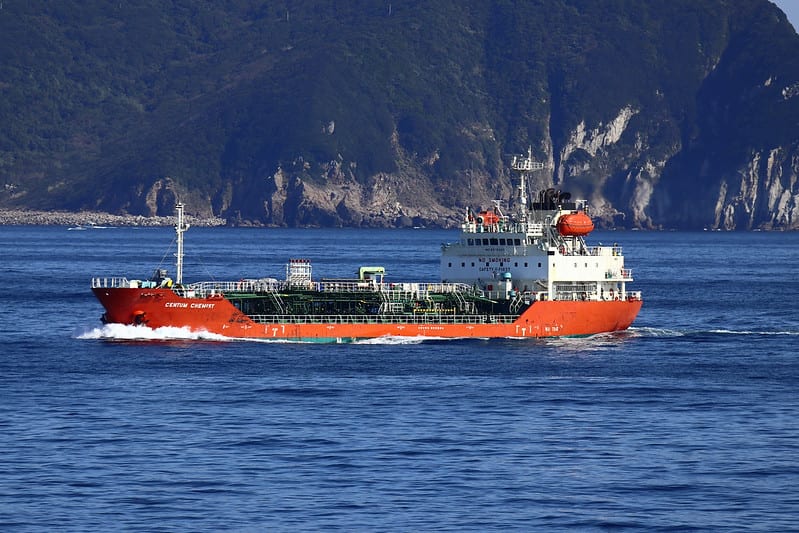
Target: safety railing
x=265, y=286
x=426, y=318
x=111, y=283
x=614, y=250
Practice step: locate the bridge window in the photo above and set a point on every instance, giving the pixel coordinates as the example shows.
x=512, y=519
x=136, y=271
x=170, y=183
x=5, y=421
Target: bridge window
x=470, y=242
x=494, y=241
x=517, y=242
x=485, y=242
x=502, y=242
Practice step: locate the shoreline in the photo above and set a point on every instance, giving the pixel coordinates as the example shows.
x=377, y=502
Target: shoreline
x=22, y=217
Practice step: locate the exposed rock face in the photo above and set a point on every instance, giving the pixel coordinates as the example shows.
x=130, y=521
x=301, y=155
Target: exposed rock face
x=600, y=138
x=680, y=114
x=401, y=199
x=160, y=196
x=762, y=195
x=407, y=197
x=590, y=157
x=610, y=164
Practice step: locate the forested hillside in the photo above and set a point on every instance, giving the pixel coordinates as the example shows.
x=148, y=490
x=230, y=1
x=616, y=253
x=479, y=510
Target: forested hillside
x=679, y=114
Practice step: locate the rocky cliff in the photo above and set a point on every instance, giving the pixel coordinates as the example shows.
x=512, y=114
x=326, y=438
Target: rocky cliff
x=681, y=114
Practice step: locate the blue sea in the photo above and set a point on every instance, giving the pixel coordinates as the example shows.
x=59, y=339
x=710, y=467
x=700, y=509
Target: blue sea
x=688, y=421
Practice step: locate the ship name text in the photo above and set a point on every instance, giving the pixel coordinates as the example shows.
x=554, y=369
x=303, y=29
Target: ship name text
x=186, y=305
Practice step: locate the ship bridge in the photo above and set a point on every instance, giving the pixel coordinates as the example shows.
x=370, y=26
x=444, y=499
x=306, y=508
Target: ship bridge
x=539, y=248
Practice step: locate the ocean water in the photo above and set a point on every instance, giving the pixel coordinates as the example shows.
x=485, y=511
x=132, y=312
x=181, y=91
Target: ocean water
x=689, y=420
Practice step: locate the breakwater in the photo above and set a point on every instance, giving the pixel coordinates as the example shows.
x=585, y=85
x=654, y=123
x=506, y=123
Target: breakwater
x=12, y=217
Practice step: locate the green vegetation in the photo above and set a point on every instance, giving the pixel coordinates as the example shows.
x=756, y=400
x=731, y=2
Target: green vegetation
x=100, y=99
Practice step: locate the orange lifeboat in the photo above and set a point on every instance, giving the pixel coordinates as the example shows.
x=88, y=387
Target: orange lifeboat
x=575, y=224
x=487, y=218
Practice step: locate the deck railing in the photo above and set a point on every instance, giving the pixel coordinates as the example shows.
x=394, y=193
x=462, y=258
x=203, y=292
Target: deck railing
x=259, y=286
x=426, y=318
x=204, y=289
x=614, y=250
x=110, y=283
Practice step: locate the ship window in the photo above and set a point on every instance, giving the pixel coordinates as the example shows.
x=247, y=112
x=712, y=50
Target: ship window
x=539, y=265
x=485, y=242
x=502, y=242
x=463, y=264
x=516, y=264
x=530, y=240
x=472, y=264
x=470, y=241
x=586, y=265
x=488, y=264
x=501, y=263
x=517, y=242
x=494, y=241
x=449, y=264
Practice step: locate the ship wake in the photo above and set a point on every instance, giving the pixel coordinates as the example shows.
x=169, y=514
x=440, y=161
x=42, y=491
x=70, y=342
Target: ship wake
x=395, y=339
x=123, y=332
x=647, y=332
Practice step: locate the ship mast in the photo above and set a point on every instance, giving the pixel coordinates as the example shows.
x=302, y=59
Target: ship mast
x=180, y=228
x=525, y=166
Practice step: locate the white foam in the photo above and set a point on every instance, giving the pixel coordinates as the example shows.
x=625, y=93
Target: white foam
x=392, y=339
x=662, y=332
x=747, y=332
x=654, y=332
x=129, y=332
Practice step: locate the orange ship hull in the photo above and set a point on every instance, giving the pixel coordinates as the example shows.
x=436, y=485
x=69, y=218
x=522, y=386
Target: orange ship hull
x=157, y=308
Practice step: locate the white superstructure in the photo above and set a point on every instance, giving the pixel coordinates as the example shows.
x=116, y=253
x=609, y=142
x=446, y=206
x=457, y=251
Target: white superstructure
x=539, y=250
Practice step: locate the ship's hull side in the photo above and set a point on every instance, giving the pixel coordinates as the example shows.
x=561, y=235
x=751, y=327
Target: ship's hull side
x=157, y=308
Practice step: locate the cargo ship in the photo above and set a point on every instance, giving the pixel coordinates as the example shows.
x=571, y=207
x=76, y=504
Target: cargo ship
x=525, y=274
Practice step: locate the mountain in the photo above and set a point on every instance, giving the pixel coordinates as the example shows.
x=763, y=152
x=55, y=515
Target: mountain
x=680, y=114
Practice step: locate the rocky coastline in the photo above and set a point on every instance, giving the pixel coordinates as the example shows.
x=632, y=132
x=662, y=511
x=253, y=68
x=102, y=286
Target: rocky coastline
x=13, y=217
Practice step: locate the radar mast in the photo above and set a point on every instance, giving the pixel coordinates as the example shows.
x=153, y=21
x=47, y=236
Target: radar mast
x=525, y=165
